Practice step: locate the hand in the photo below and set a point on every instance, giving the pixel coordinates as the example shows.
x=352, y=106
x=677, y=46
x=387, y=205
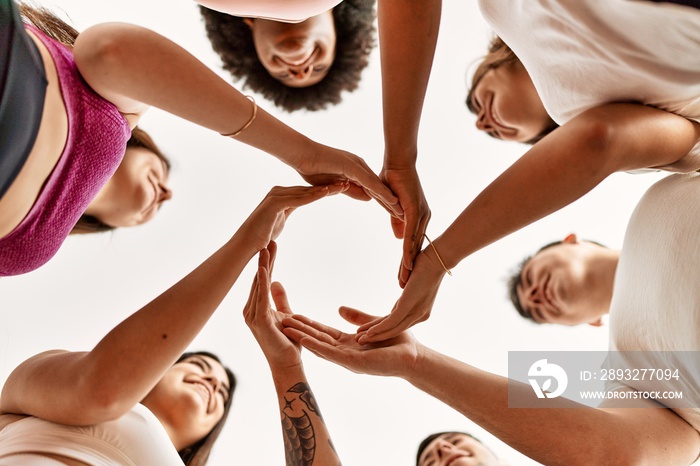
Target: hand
x=264, y=321
x=396, y=356
x=413, y=306
x=328, y=165
x=406, y=185
x=267, y=220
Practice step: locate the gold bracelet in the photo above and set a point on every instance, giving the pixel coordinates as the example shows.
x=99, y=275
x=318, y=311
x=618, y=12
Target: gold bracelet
x=250, y=122
x=449, y=272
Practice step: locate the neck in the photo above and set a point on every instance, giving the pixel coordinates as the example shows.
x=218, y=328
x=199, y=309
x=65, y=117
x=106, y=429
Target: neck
x=602, y=277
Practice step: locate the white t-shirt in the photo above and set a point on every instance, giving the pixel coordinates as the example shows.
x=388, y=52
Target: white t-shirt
x=584, y=53
x=279, y=10
x=135, y=439
x=656, y=296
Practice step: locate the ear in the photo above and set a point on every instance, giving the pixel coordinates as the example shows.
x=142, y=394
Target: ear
x=250, y=22
x=571, y=238
x=596, y=323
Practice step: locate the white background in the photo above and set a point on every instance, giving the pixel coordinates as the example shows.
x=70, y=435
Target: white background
x=335, y=252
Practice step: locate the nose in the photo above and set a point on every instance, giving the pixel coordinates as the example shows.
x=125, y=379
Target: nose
x=482, y=123
x=444, y=448
x=301, y=73
x=165, y=193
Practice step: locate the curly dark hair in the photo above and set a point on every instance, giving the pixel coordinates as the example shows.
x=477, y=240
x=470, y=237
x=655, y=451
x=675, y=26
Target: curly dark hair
x=232, y=40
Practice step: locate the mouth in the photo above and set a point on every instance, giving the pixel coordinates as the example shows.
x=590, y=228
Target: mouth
x=500, y=128
x=153, y=201
x=301, y=61
x=547, y=292
x=204, y=392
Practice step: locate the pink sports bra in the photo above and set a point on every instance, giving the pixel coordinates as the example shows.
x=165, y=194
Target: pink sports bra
x=95, y=146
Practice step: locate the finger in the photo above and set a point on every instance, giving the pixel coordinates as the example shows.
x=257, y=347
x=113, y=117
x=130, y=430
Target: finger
x=381, y=335
x=252, y=297
x=319, y=348
x=398, y=227
x=368, y=325
x=355, y=316
x=371, y=182
x=279, y=297
x=307, y=330
x=339, y=187
x=272, y=250
x=264, y=258
x=355, y=191
x=390, y=327
x=262, y=302
x=412, y=237
x=404, y=275
x=302, y=322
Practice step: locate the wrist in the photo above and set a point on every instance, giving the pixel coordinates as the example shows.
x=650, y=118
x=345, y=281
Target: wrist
x=403, y=159
x=440, y=247
x=434, y=264
x=415, y=364
x=281, y=373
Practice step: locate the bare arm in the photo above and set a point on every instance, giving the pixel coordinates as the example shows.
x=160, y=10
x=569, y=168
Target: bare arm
x=558, y=170
x=569, y=435
x=306, y=437
x=89, y=387
x=408, y=31
x=134, y=68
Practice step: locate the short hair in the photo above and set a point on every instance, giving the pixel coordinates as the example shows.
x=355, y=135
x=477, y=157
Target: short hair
x=429, y=439
x=499, y=54
x=514, y=279
x=139, y=139
x=232, y=40
x=198, y=454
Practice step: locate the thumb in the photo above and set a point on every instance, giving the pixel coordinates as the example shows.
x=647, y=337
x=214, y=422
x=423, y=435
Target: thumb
x=355, y=316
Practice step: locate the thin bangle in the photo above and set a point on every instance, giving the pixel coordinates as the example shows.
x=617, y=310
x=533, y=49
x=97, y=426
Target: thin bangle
x=449, y=272
x=250, y=122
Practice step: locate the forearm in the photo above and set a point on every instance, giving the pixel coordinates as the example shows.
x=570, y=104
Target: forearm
x=303, y=429
x=84, y=388
x=568, y=435
x=408, y=31
x=132, y=66
x=565, y=166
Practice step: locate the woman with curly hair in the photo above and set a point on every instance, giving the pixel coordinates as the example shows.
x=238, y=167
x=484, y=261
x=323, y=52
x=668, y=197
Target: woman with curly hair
x=313, y=50
x=334, y=67
x=68, y=104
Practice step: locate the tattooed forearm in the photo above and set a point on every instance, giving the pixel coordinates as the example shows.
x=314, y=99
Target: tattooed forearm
x=298, y=415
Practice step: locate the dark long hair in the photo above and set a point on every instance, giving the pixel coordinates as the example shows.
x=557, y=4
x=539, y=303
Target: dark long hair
x=47, y=22
x=198, y=454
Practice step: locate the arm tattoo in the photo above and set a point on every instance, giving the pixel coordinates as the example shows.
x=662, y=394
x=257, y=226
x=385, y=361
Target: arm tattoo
x=297, y=426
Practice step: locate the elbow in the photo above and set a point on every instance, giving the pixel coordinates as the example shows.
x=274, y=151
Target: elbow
x=99, y=401
x=598, y=153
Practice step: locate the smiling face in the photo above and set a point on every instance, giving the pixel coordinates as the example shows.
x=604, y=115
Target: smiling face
x=455, y=449
x=134, y=193
x=507, y=104
x=190, y=399
x=296, y=54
